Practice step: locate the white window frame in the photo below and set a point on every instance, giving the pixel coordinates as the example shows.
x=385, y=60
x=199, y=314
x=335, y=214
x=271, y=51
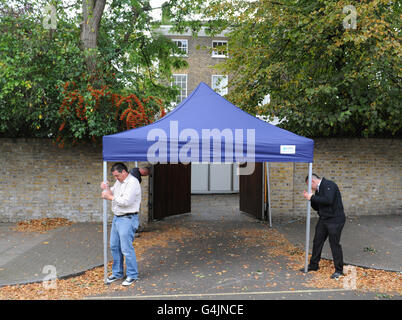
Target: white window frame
x=216, y=54
x=181, y=97
x=220, y=90
x=184, y=54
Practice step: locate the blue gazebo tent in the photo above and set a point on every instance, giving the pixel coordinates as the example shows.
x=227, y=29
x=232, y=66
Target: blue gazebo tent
x=205, y=127
x=204, y=110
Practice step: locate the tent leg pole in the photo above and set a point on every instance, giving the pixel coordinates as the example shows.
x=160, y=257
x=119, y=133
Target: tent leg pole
x=269, y=198
x=310, y=172
x=263, y=217
x=104, y=226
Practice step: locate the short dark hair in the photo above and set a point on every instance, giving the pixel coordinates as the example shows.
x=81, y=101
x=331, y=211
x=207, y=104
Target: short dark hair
x=313, y=175
x=119, y=166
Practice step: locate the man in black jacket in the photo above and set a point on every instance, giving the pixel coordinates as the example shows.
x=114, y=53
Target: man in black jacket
x=327, y=201
x=139, y=172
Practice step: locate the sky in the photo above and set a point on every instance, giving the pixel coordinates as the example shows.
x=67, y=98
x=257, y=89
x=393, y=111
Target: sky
x=157, y=13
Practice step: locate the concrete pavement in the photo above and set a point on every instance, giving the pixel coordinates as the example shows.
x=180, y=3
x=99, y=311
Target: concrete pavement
x=197, y=264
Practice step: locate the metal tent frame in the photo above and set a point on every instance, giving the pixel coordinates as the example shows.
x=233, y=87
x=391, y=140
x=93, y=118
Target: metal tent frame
x=135, y=144
x=310, y=169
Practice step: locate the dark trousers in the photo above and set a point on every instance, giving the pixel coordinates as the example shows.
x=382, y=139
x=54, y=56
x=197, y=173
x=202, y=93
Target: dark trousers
x=331, y=230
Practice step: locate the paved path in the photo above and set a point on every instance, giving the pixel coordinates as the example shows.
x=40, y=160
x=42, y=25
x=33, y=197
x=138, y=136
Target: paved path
x=214, y=263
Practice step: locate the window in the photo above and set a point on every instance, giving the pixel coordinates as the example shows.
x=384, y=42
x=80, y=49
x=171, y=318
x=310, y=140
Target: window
x=219, y=49
x=180, y=80
x=219, y=84
x=182, y=44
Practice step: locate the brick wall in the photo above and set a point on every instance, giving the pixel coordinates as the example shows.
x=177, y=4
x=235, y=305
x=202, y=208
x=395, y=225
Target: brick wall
x=367, y=171
x=40, y=180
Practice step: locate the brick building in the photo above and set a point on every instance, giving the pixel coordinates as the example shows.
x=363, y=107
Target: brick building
x=201, y=53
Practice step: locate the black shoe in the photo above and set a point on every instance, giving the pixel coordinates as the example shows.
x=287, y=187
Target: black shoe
x=111, y=279
x=129, y=281
x=336, y=275
x=309, y=268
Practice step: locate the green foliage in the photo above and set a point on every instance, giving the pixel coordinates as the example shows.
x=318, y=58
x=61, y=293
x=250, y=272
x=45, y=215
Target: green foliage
x=32, y=61
x=88, y=113
x=35, y=64
x=323, y=79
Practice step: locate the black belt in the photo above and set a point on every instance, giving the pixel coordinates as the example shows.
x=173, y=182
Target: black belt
x=128, y=214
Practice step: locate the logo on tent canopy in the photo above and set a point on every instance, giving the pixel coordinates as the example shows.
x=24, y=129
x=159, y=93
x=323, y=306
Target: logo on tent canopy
x=215, y=145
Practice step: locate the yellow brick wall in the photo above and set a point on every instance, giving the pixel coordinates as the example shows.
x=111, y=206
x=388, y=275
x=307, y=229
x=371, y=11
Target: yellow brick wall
x=40, y=180
x=367, y=171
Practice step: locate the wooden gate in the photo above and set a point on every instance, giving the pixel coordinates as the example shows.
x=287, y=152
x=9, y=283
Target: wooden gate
x=170, y=190
x=251, y=191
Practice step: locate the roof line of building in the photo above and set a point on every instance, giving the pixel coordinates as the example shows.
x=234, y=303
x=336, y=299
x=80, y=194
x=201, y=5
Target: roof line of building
x=166, y=30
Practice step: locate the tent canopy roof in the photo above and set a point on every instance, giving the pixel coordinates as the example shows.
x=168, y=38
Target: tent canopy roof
x=205, y=127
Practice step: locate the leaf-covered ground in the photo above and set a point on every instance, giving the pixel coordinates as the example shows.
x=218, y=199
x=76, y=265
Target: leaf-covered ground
x=187, y=256
x=41, y=225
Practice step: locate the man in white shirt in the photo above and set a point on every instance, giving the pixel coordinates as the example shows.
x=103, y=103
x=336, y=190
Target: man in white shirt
x=126, y=199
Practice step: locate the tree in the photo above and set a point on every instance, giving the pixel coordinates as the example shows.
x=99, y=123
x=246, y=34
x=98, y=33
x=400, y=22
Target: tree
x=96, y=47
x=92, y=11
x=324, y=77
x=33, y=60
